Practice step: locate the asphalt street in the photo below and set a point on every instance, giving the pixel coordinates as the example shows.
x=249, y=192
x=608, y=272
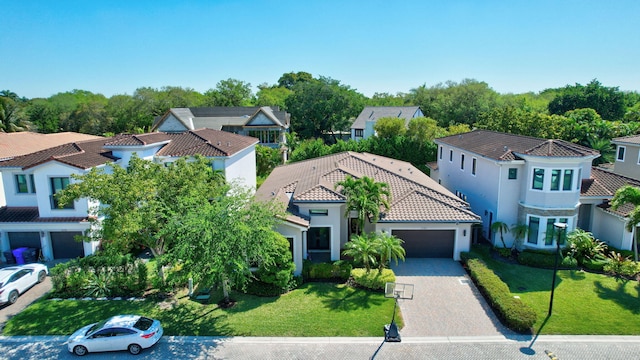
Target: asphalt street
x=544, y=347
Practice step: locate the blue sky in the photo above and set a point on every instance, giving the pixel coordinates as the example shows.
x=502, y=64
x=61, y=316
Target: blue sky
x=113, y=47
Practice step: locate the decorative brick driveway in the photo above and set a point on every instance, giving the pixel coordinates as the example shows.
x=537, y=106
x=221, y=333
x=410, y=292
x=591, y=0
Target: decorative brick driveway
x=445, y=301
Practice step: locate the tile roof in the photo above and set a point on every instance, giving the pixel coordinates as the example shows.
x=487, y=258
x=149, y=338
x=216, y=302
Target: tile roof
x=604, y=184
x=87, y=154
x=415, y=197
x=31, y=214
x=218, y=116
x=631, y=139
x=25, y=142
x=504, y=147
x=373, y=113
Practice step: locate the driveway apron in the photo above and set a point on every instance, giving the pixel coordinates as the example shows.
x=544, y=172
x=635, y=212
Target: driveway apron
x=445, y=301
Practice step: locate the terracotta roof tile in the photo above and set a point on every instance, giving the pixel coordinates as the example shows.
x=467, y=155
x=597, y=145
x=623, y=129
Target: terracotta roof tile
x=314, y=180
x=604, y=184
x=22, y=143
x=505, y=147
x=631, y=139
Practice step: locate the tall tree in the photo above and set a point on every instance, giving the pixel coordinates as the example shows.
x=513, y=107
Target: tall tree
x=366, y=197
x=289, y=80
x=323, y=107
x=230, y=92
x=272, y=96
x=388, y=127
x=629, y=195
x=219, y=241
x=609, y=102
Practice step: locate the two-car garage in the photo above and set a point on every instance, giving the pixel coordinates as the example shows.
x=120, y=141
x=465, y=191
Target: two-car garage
x=63, y=243
x=427, y=243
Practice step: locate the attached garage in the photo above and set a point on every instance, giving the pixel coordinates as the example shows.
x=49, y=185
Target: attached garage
x=427, y=243
x=24, y=239
x=65, y=246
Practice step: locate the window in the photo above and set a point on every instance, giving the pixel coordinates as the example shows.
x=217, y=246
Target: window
x=621, y=150
x=450, y=155
x=548, y=236
x=318, y=238
x=58, y=184
x=461, y=161
x=534, y=229
x=538, y=179
x=513, y=173
x=568, y=180
x=265, y=136
x=440, y=152
x=555, y=179
x=358, y=132
x=24, y=184
x=473, y=166
x=290, y=240
x=318, y=212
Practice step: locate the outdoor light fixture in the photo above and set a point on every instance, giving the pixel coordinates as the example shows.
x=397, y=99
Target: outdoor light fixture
x=560, y=227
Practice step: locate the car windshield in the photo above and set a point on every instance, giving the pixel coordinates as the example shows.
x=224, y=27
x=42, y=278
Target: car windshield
x=143, y=323
x=96, y=327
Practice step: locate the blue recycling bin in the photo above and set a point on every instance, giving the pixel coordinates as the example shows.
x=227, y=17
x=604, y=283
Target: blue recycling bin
x=19, y=255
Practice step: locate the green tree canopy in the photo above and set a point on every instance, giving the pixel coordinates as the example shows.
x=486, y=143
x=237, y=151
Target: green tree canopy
x=388, y=127
x=609, y=102
x=364, y=196
x=629, y=195
x=230, y=92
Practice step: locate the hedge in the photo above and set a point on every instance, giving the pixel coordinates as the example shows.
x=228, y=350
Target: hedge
x=515, y=314
x=335, y=271
x=373, y=279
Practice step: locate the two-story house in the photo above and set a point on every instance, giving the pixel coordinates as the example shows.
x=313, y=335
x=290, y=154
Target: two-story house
x=362, y=127
x=32, y=217
x=432, y=221
x=516, y=180
x=268, y=124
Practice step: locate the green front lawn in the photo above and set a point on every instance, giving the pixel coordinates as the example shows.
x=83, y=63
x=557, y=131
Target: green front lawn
x=584, y=303
x=315, y=309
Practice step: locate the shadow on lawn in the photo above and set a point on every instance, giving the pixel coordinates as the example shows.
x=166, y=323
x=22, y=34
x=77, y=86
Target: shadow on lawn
x=344, y=298
x=620, y=295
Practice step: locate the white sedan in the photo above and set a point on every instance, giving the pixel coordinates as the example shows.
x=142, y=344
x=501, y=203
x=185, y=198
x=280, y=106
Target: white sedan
x=121, y=332
x=15, y=280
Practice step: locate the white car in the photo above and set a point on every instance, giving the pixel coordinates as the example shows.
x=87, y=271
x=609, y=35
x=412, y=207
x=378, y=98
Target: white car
x=15, y=280
x=121, y=332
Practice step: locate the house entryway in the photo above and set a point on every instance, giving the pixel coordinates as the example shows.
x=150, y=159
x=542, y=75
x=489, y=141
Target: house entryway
x=445, y=301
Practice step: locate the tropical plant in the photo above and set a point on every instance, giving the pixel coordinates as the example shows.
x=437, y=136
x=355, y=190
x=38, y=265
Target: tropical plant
x=618, y=264
x=389, y=248
x=629, y=194
x=366, y=197
x=500, y=227
x=583, y=247
x=363, y=250
x=519, y=232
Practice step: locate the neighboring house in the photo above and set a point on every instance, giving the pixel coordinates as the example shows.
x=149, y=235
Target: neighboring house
x=32, y=218
x=268, y=124
x=26, y=142
x=627, y=161
x=362, y=127
x=517, y=180
x=432, y=221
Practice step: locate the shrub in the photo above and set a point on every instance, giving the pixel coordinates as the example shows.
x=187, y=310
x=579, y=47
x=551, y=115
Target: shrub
x=569, y=263
x=374, y=280
x=336, y=271
x=618, y=264
x=516, y=315
x=537, y=258
x=594, y=264
x=582, y=246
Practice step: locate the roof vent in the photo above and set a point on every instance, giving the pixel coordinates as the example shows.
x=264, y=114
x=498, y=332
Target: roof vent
x=273, y=193
x=219, y=143
x=505, y=148
x=228, y=143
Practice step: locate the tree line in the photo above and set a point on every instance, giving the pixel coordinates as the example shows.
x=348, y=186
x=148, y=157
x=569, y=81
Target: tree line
x=322, y=108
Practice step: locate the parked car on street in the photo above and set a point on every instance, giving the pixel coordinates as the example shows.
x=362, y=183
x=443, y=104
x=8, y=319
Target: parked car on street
x=16, y=279
x=121, y=332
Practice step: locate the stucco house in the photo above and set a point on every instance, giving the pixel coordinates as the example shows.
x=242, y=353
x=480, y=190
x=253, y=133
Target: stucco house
x=432, y=221
x=268, y=124
x=362, y=127
x=32, y=218
x=538, y=182
x=627, y=161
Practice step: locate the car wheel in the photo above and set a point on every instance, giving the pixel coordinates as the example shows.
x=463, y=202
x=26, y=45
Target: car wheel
x=135, y=349
x=41, y=276
x=80, y=350
x=13, y=297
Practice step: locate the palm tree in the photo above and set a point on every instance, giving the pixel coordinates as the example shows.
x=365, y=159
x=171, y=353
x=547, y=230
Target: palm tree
x=606, y=149
x=499, y=226
x=366, y=197
x=362, y=249
x=629, y=194
x=389, y=248
x=519, y=232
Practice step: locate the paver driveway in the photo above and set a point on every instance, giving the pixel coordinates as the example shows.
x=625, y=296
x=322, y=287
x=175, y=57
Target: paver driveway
x=445, y=301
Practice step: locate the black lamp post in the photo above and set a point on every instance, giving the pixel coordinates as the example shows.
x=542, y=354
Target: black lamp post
x=560, y=227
